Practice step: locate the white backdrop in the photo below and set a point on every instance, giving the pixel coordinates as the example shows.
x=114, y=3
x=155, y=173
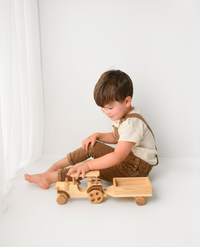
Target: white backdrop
x=155, y=42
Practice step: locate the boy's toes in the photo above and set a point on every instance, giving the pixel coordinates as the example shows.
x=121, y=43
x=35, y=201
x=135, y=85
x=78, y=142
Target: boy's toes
x=26, y=176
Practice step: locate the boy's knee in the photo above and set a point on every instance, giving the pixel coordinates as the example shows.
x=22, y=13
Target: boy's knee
x=95, y=148
x=62, y=174
x=144, y=169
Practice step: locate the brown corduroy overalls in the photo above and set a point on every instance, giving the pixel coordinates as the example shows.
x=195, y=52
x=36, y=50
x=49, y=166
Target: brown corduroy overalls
x=131, y=166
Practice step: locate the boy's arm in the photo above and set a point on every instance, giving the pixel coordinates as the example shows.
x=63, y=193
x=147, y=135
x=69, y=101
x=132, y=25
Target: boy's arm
x=103, y=137
x=107, y=138
x=121, y=152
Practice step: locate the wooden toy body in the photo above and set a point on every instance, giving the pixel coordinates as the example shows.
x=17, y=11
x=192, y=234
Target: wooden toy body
x=74, y=190
x=93, y=191
x=136, y=187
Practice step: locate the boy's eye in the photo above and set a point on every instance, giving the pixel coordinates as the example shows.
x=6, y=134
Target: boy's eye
x=110, y=108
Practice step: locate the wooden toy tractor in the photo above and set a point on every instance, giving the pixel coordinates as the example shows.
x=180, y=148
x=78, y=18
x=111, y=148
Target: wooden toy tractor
x=93, y=191
x=136, y=187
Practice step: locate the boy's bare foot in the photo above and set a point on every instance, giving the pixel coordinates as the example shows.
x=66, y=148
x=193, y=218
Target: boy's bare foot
x=39, y=179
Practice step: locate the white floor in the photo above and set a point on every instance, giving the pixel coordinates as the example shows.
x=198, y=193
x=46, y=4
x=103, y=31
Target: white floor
x=171, y=217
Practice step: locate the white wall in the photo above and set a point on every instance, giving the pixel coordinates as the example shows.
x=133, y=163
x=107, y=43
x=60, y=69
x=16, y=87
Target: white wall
x=156, y=42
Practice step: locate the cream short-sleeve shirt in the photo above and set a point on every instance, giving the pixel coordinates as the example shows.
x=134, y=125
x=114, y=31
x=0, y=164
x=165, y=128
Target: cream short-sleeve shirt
x=135, y=130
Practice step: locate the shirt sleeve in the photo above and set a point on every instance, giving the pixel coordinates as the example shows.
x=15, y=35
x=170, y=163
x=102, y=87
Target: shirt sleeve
x=131, y=130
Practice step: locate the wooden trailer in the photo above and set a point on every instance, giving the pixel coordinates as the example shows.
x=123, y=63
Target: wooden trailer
x=136, y=187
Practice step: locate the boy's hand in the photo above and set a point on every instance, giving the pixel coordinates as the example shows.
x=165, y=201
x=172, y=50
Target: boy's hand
x=91, y=140
x=79, y=169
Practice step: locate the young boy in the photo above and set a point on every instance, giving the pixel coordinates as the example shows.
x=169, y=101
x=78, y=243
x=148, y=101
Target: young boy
x=135, y=153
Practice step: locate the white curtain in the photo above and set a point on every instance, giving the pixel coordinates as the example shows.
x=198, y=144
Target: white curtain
x=3, y=205
x=21, y=90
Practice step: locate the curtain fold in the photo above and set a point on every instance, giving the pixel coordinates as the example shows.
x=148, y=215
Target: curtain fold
x=21, y=89
x=3, y=205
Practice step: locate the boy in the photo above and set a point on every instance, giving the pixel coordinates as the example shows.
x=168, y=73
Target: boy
x=135, y=153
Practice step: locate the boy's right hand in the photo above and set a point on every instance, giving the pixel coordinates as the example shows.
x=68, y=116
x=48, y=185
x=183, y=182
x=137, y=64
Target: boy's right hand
x=91, y=140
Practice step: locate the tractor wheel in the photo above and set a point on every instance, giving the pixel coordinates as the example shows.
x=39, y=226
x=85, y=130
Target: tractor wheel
x=61, y=199
x=95, y=196
x=140, y=201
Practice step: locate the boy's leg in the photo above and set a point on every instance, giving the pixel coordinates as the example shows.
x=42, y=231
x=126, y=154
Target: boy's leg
x=131, y=166
x=44, y=180
x=58, y=165
x=80, y=155
x=54, y=173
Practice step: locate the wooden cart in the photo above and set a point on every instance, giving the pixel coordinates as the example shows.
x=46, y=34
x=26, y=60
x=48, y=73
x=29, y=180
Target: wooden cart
x=136, y=187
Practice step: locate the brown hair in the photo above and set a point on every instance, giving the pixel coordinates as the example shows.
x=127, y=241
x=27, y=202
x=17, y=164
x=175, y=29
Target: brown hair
x=113, y=85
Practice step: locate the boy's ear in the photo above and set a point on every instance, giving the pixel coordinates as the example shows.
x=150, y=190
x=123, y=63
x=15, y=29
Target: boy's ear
x=128, y=101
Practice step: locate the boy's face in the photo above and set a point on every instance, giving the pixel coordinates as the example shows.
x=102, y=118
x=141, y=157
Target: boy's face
x=116, y=110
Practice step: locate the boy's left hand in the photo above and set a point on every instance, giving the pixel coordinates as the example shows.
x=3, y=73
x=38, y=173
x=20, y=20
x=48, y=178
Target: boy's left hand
x=79, y=169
